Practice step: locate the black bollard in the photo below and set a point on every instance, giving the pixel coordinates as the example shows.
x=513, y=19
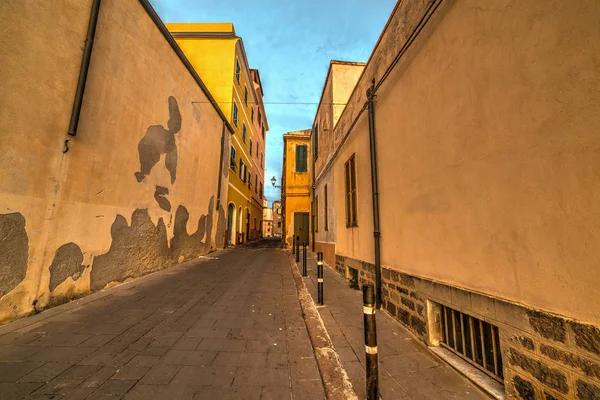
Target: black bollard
x=297, y=249
x=370, y=342
x=304, y=259
x=320, y=278
x=294, y=245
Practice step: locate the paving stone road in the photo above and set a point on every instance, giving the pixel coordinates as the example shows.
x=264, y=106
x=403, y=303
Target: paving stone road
x=224, y=328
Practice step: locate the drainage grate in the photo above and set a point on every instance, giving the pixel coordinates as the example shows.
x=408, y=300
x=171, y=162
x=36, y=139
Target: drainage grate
x=474, y=340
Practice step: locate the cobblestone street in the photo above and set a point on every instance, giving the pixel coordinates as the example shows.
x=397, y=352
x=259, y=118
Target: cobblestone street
x=227, y=326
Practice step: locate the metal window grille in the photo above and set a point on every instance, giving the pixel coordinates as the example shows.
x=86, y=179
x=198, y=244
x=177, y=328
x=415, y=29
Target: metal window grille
x=474, y=340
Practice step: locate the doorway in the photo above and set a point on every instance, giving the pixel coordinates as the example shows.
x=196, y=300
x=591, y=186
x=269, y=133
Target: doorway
x=231, y=224
x=301, y=226
x=247, y=225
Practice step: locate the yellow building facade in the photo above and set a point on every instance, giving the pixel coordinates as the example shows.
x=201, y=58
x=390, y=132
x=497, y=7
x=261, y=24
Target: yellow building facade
x=295, y=186
x=218, y=56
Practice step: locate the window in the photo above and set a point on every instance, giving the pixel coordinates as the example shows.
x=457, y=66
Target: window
x=232, y=163
x=279, y=224
x=250, y=147
x=257, y=147
x=301, y=161
x=255, y=183
x=249, y=180
x=326, y=224
x=252, y=114
x=474, y=340
x=316, y=219
x=242, y=170
x=235, y=114
x=263, y=130
x=238, y=70
x=245, y=95
x=350, y=179
x=261, y=190
x=316, y=141
x=243, y=132
x=259, y=118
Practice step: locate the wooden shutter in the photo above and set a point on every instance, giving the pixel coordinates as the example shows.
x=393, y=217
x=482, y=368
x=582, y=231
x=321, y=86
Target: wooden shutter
x=301, y=161
x=325, y=209
x=353, y=189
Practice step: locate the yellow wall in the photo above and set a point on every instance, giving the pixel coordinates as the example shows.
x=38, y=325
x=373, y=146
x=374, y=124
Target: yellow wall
x=214, y=60
x=296, y=184
x=68, y=214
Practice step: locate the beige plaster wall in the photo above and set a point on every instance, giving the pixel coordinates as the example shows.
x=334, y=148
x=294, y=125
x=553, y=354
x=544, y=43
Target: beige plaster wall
x=324, y=118
x=87, y=196
x=488, y=152
x=344, y=78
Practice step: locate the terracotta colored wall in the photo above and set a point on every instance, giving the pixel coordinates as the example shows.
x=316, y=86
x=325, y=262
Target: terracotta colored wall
x=488, y=152
x=93, y=216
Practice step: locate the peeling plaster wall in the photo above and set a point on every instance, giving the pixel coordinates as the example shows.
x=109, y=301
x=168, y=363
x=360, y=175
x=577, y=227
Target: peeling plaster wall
x=137, y=189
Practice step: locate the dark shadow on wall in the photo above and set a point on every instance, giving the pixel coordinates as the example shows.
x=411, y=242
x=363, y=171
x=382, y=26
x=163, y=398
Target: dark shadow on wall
x=186, y=245
x=158, y=141
x=14, y=251
x=135, y=250
x=221, y=226
x=67, y=263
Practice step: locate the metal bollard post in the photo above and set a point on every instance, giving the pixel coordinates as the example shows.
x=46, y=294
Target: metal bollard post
x=320, y=278
x=370, y=342
x=294, y=245
x=304, y=259
x=297, y=249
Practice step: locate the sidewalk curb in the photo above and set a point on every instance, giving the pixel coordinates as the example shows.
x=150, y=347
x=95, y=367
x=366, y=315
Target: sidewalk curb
x=335, y=380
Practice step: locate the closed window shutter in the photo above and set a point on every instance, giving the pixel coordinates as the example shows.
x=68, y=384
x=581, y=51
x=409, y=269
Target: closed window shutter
x=353, y=187
x=301, y=161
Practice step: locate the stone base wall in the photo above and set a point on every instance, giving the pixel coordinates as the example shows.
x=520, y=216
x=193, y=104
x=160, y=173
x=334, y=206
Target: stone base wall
x=400, y=298
x=544, y=355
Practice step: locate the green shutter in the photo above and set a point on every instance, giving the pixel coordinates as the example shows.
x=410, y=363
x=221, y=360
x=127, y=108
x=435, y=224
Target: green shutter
x=301, y=159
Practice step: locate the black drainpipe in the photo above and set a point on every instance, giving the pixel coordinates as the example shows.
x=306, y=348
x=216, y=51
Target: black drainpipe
x=221, y=166
x=375, y=191
x=85, y=65
x=312, y=203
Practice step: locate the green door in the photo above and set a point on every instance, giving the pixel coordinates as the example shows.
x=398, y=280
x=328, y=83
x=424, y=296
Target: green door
x=301, y=226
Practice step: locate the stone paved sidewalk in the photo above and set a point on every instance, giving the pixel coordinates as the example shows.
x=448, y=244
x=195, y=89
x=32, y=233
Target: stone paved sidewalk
x=225, y=327
x=407, y=369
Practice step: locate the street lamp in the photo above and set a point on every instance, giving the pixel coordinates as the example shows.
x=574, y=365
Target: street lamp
x=273, y=181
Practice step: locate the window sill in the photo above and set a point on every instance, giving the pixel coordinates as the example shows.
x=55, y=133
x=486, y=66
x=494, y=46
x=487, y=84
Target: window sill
x=481, y=380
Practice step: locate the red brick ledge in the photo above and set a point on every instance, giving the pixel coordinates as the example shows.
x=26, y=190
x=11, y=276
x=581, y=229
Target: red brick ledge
x=335, y=380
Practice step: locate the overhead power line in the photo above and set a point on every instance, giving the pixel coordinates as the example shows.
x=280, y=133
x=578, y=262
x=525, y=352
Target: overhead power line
x=273, y=102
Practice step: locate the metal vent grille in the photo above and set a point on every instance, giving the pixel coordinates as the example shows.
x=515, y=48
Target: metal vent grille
x=474, y=340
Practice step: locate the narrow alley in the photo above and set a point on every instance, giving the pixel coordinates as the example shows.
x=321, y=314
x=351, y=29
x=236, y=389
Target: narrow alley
x=225, y=326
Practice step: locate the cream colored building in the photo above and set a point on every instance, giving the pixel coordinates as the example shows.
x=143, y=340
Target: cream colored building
x=267, y=220
x=486, y=124
x=339, y=84
x=133, y=177
x=277, y=218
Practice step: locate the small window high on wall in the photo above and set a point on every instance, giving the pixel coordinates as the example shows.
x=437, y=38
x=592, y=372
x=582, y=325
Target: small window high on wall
x=316, y=140
x=301, y=158
x=350, y=184
x=326, y=224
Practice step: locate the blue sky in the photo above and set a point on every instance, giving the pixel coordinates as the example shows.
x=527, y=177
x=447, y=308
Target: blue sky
x=290, y=43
